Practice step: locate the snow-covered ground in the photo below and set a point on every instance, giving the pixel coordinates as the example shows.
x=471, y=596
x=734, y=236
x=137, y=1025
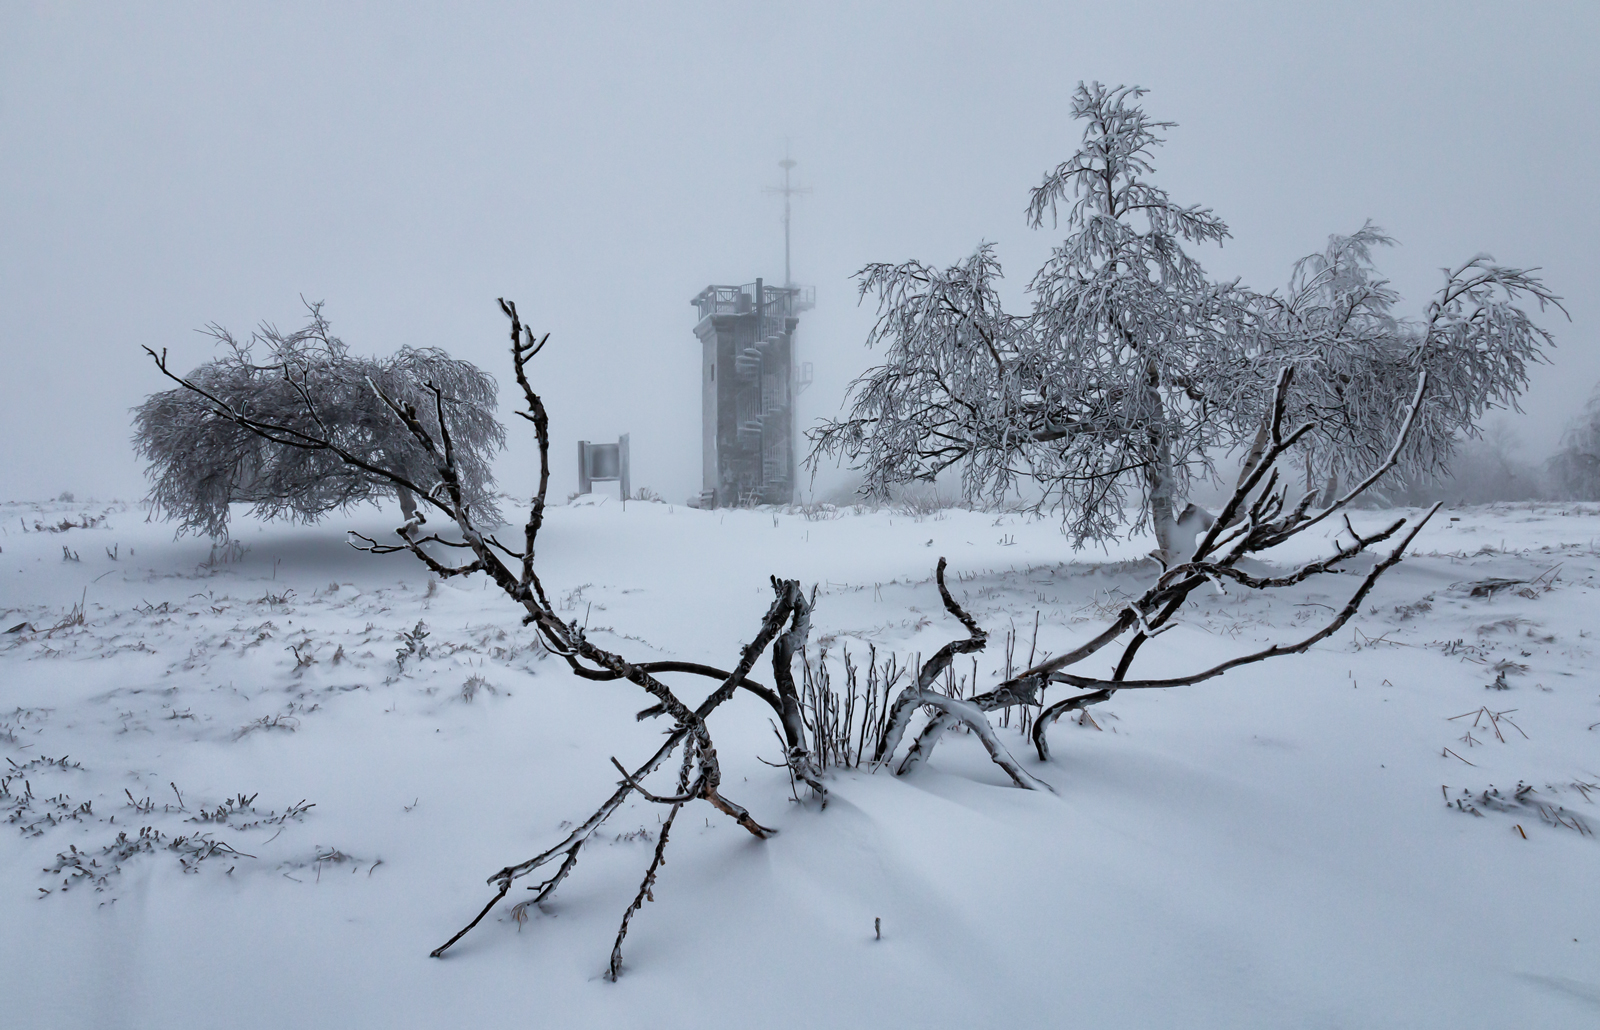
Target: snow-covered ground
x=274, y=820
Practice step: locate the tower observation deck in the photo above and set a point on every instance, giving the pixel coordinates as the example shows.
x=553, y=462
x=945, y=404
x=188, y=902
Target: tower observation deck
x=748, y=386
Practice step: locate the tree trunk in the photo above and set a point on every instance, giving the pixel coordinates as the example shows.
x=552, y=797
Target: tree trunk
x=1159, y=483
x=1330, y=491
x=1258, y=448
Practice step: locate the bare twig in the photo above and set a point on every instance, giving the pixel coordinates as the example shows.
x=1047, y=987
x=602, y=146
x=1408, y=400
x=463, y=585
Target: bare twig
x=645, y=894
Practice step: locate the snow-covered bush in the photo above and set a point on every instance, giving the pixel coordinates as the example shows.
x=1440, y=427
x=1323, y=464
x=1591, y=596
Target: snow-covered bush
x=312, y=391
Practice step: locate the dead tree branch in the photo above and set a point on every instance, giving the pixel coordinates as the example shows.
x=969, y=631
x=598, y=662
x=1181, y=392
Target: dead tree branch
x=645, y=893
x=700, y=776
x=1256, y=517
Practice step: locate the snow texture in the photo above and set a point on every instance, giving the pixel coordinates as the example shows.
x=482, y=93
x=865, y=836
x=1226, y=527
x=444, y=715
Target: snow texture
x=257, y=784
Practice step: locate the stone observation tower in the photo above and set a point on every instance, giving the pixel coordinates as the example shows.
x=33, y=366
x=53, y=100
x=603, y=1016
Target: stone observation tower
x=749, y=380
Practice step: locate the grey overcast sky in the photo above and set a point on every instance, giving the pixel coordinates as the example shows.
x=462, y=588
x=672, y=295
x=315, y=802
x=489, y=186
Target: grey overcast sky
x=167, y=165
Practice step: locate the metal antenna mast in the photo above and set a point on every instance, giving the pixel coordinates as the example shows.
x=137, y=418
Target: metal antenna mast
x=787, y=191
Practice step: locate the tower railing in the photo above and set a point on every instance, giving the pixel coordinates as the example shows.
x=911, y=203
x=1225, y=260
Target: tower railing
x=778, y=302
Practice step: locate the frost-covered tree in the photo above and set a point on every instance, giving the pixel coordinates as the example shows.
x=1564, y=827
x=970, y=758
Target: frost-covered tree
x=1357, y=362
x=1133, y=369
x=1123, y=377
x=1576, y=467
x=1148, y=345
x=312, y=391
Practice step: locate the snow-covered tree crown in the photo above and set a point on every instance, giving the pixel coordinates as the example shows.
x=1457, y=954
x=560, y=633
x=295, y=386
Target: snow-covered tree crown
x=1106, y=181
x=201, y=459
x=1335, y=322
x=1576, y=467
x=1119, y=379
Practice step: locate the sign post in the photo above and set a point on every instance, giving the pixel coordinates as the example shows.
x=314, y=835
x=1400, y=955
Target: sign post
x=603, y=463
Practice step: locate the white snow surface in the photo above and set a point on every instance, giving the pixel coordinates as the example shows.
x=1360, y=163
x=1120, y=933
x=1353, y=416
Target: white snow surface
x=1272, y=848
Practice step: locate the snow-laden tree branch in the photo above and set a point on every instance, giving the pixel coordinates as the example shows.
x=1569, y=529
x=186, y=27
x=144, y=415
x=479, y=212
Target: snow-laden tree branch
x=1357, y=361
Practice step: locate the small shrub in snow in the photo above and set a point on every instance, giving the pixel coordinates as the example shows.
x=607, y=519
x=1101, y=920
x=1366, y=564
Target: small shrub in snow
x=267, y=723
x=475, y=685
x=1524, y=798
x=414, y=644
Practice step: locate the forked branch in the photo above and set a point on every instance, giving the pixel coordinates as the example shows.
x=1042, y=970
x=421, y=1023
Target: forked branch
x=1256, y=517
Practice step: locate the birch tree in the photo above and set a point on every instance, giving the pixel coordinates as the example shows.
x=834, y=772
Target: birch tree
x=1117, y=384
x=1134, y=369
x=1152, y=343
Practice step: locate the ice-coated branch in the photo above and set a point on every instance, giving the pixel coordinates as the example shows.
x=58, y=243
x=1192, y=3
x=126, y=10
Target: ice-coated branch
x=948, y=710
x=1256, y=517
x=911, y=697
x=1352, y=606
x=614, y=969
x=523, y=349
x=505, y=885
x=784, y=648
